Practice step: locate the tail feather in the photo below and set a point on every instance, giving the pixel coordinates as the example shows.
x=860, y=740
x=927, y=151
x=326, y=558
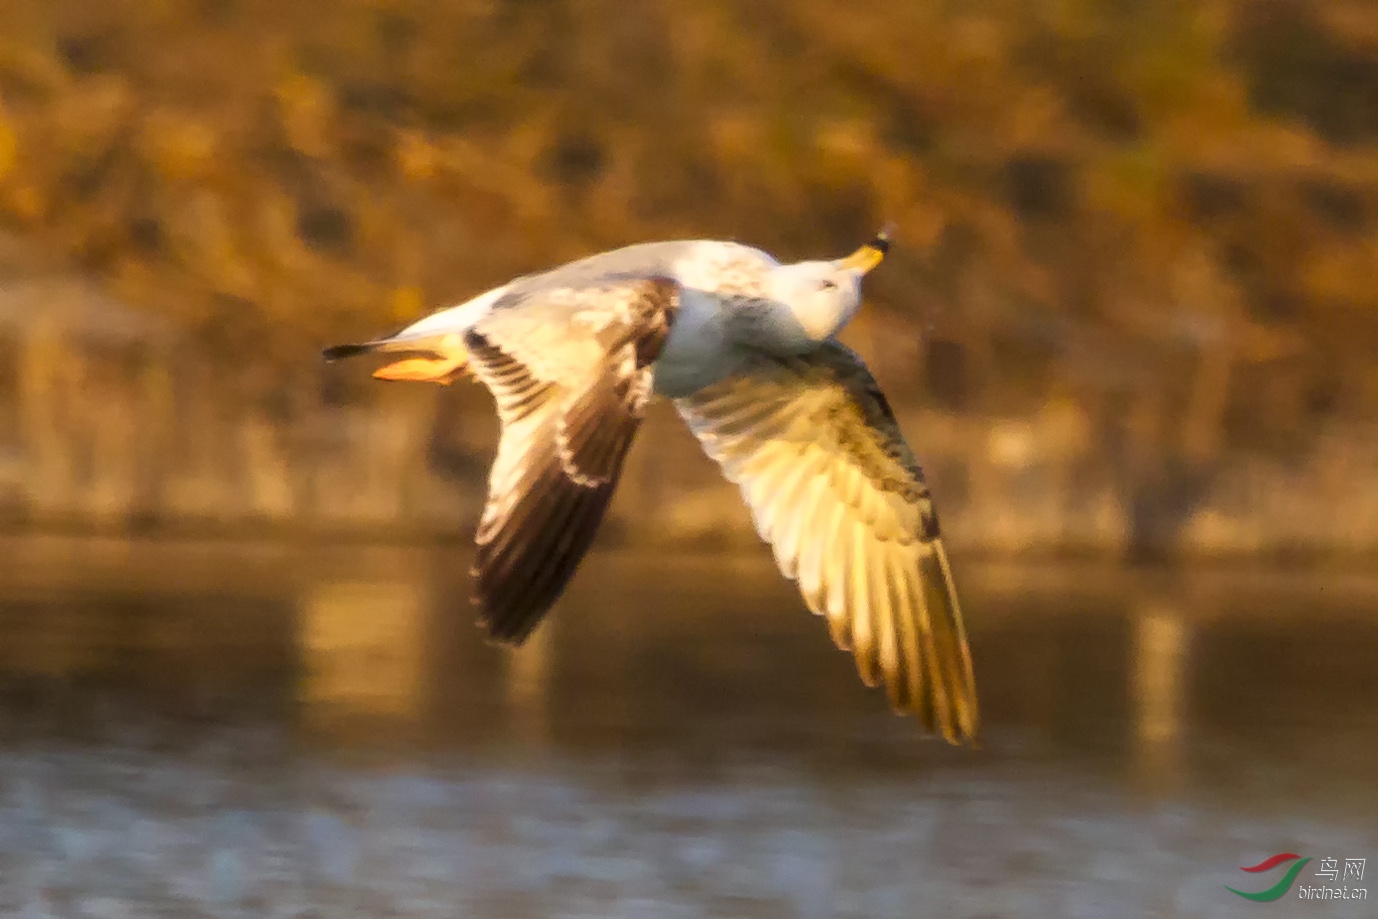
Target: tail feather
x=340, y=352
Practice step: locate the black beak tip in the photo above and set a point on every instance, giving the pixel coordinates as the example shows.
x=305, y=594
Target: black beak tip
x=884, y=238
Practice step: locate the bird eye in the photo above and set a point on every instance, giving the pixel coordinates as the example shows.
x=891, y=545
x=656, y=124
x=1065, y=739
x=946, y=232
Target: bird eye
x=827, y=284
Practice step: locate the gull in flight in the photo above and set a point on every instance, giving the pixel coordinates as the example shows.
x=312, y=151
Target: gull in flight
x=746, y=348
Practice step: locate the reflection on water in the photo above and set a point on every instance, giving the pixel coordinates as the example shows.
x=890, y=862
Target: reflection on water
x=362, y=647
x=1160, y=663
x=191, y=730
x=528, y=687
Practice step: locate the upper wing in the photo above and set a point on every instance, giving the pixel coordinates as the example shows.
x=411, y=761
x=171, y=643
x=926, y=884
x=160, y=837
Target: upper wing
x=835, y=490
x=570, y=372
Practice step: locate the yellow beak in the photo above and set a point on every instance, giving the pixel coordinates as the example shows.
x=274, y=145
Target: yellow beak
x=871, y=254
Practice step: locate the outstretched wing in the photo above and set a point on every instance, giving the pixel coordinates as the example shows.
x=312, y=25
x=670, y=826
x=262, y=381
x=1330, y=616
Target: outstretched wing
x=835, y=490
x=570, y=371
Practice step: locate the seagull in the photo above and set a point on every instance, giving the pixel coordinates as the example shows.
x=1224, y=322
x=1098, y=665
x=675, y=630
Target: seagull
x=746, y=348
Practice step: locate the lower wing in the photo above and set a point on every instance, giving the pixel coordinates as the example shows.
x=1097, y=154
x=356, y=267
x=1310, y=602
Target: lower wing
x=836, y=491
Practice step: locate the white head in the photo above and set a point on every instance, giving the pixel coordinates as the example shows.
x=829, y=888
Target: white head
x=824, y=295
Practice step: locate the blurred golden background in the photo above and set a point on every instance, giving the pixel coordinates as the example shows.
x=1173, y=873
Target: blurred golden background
x=1132, y=311
x=1131, y=315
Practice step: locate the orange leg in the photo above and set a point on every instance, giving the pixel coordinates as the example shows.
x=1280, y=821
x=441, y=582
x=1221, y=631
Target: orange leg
x=443, y=370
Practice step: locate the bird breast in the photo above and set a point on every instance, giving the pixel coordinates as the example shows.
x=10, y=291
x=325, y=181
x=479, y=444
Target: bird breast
x=697, y=351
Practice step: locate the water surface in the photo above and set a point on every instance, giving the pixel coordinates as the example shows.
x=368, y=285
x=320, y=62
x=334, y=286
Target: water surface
x=208, y=730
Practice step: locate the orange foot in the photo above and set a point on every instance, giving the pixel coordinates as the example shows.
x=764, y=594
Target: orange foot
x=443, y=370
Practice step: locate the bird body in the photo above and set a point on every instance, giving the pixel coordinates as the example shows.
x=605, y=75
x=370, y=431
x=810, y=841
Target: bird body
x=746, y=348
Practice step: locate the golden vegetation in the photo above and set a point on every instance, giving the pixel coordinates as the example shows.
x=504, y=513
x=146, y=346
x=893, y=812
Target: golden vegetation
x=1096, y=198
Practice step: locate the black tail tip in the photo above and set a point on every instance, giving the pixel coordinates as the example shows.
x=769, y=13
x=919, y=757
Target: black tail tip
x=339, y=352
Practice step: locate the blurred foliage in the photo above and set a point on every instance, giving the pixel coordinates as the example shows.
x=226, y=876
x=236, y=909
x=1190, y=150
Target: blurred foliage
x=1164, y=203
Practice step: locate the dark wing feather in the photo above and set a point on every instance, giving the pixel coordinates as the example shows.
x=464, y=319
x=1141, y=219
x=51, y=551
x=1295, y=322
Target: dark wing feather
x=571, y=376
x=837, y=493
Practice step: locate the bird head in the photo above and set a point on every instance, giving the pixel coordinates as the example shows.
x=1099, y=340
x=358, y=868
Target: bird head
x=824, y=295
